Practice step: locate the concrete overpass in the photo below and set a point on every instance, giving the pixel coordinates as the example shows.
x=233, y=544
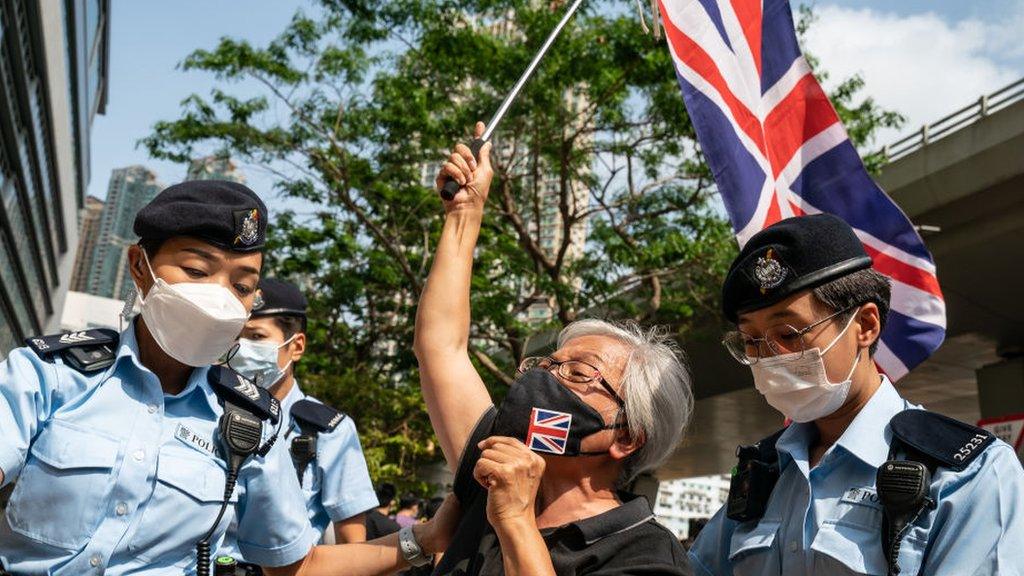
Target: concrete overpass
x=961, y=180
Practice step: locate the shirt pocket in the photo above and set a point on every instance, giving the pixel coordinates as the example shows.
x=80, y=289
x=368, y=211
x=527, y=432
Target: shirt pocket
x=849, y=541
x=753, y=550
x=61, y=494
x=186, y=499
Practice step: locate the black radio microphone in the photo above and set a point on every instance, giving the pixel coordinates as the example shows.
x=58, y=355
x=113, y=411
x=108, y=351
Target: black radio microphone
x=902, y=487
x=240, y=433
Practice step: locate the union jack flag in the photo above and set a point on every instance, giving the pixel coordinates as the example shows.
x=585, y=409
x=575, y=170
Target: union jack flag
x=777, y=149
x=549, y=431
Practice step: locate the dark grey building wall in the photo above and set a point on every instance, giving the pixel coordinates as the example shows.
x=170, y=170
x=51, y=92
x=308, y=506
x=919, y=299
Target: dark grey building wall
x=35, y=233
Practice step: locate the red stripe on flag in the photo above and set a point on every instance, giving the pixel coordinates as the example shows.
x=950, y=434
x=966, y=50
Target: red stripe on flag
x=748, y=12
x=801, y=115
x=774, y=211
x=910, y=275
x=697, y=59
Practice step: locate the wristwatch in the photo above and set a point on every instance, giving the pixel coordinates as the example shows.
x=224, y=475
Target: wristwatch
x=411, y=550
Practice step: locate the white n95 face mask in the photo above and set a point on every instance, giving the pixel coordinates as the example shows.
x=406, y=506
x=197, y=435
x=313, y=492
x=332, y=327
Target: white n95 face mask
x=193, y=322
x=798, y=386
x=257, y=361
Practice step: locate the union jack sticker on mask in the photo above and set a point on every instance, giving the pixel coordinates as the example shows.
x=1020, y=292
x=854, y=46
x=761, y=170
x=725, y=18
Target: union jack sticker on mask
x=549, y=431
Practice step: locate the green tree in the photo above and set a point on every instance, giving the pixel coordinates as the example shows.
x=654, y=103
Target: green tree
x=602, y=203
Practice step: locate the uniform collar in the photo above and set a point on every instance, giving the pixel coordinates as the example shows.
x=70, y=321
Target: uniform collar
x=634, y=511
x=128, y=347
x=293, y=396
x=128, y=351
x=861, y=437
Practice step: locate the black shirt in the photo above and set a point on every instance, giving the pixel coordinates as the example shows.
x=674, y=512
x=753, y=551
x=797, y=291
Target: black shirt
x=378, y=525
x=624, y=541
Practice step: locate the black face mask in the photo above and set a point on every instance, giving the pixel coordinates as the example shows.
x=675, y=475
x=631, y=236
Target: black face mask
x=547, y=416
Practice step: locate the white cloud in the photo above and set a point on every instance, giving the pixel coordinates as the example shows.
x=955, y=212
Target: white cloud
x=918, y=65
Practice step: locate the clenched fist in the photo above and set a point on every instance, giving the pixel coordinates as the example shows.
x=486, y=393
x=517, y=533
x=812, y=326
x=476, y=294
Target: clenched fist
x=511, y=474
x=474, y=177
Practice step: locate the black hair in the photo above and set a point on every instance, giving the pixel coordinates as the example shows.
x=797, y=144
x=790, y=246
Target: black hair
x=290, y=325
x=386, y=493
x=151, y=246
x=408, y=500
x=857, y=289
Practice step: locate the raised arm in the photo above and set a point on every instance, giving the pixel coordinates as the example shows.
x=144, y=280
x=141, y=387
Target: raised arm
x=455, y=395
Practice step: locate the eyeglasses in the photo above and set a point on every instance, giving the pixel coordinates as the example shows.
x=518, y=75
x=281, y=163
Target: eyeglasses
x=780, y=339
x=577, y=374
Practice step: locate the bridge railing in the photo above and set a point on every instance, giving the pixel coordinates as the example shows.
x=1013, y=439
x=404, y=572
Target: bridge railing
x=982, y=107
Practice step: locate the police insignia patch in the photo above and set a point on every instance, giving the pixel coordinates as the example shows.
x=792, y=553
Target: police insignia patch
x=75, y=338
x=768, y=272
x=247, y=388
x=258, y=301
x=248, y=228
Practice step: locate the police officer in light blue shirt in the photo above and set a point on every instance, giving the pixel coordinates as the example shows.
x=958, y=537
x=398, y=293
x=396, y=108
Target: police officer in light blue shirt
x=323, y=442
x=862, y=481
x=113, y=439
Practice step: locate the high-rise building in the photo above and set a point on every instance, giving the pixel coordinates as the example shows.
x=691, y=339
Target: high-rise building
x=130, y=189
x=682, y=501
x=53, y=81
x=88, y=234
x=215, y=167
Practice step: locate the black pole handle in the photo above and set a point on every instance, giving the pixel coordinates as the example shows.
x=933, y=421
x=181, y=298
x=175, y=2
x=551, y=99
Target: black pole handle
x=451, y=187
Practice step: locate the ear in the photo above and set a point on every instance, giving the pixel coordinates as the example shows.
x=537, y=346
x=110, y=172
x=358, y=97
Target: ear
x=138, y=269
x=870, y=322
x=625, y=444
x=298, y=346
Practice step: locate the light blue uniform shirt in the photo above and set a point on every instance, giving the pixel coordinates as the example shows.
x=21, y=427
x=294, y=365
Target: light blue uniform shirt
x=827, y=520
x=336, y=484
x=116, y=477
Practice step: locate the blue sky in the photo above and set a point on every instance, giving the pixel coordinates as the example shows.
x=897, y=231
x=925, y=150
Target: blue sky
x=148, y=39
x=921, y=57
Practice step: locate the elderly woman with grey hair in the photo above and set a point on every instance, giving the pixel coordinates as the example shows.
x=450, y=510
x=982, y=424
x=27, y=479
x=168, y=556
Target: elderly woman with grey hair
x=540, y=477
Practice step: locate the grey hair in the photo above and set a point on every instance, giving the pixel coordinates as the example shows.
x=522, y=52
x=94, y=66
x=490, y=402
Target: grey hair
x=656, y=388
x=857, y=289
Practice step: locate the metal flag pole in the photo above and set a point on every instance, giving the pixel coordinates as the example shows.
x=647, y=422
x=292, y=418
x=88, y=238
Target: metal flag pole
x=451, y=186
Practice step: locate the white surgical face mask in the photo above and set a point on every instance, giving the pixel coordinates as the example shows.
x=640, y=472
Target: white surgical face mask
x=192, y=322
x=798, y=386
x=257, y=361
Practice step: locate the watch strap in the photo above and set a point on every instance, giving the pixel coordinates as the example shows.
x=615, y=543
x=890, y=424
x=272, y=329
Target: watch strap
x=411, y=550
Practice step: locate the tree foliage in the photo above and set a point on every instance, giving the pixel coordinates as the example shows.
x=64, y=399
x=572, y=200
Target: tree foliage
x=602, y=203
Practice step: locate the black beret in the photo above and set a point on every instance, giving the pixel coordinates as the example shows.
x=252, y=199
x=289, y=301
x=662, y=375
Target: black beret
x=226, y=214
x=278, y=298
x=789, y=256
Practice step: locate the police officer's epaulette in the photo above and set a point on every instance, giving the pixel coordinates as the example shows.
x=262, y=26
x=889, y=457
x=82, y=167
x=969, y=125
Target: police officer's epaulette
x=316, y=417
x=943, y=440
x=85, y=351
x=230, y=386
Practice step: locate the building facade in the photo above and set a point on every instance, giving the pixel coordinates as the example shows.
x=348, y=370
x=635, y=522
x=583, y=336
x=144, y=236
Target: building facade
x=88, y=234
x=129, y=190
x=682, y=502
x=53, y=81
